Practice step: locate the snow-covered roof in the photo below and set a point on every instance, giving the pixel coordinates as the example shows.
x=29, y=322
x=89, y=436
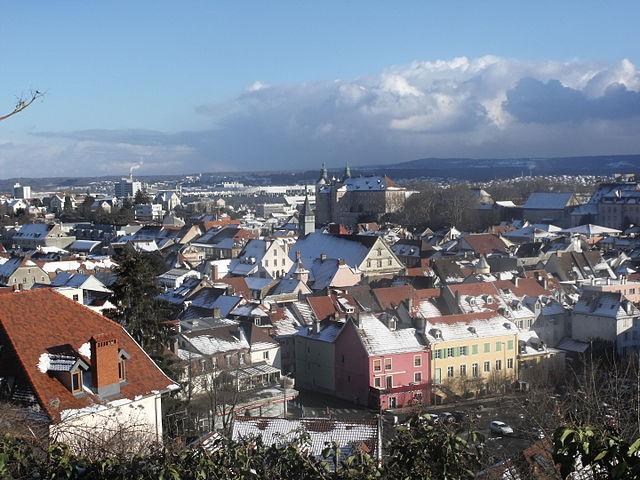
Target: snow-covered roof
x=328, y=332
x=348, y=435
x=315, y=244
x=591, y=230
x=548, y=201
x=378, y=339
x=33, y=230
x=459, y=327
x=370, y=183
x=84, y=245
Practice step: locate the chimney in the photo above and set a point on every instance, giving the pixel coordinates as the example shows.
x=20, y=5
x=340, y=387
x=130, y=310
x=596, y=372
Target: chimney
x=316, y=327
x=104, y=364
x=516, y=281
x=323, y=257
x=216, y=312
x=214, y=272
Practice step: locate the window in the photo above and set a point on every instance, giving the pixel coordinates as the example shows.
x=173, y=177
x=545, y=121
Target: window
x=437, y=354
x=377, y=382
x=464, y=350
x=417, y=361
x=417, y=377
x=510, y=363
x=368, y=263
x=449, y=352
x=449, y=372
x=389, y=262
x=463, y=370
x=498, y=364
x=122, y=370
x=389, y=381
x=474, y=370
x=76, y=382
x=510, y=345
x=76, y=297
x=379, y=263
x=227, y=359
x=474, y=349
x=265, y=355
x=377, y=365
x=387, y=364
x=498, y=346
x=487, y=367
x=266, y=263
x=487, y=347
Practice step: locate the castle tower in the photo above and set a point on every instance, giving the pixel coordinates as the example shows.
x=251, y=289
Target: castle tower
x=347, y=171
x=306, y=219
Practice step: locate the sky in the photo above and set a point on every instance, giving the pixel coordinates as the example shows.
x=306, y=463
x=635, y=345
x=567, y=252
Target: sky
x=205, y=86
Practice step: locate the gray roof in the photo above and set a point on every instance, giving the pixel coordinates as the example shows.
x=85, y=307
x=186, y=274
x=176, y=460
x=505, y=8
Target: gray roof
x=548, y=201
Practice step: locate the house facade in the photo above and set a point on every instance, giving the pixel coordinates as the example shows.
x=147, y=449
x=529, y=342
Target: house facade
x=380, y=366
x=470, y=350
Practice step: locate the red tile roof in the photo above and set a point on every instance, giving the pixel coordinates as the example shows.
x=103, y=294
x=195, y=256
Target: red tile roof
x=391, y=297
x=239, y=285
x=485, y=243
x=323, y=307
x=37, y=320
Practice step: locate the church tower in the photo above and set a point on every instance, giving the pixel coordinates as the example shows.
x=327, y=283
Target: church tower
x=306, y=219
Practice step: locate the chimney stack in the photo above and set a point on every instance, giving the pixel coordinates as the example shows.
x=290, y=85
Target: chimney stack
x=104, y=364
x=216, y=313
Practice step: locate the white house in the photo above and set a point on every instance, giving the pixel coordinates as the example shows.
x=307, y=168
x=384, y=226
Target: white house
x=83, y=374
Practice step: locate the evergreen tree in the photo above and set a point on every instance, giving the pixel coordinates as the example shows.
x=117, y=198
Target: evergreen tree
x=138, y=309
x=68, y=206
x=141, y=198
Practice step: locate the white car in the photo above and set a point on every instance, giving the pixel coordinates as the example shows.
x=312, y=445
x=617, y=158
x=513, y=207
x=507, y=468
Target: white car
x=500, y=428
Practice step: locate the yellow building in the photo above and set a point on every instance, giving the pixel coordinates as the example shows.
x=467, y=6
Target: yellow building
x=470, y=352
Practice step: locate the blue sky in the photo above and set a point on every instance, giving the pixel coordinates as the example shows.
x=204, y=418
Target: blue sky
x=205, y=85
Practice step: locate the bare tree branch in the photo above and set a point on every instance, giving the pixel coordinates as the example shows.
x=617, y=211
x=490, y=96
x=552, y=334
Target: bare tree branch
x=23, y=102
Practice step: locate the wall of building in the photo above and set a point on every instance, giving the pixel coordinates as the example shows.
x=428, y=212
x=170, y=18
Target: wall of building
x=315, y=365
x=500, y=348
x=139, y=420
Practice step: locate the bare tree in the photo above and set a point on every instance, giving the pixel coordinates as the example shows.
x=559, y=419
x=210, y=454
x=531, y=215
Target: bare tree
x=23, y=102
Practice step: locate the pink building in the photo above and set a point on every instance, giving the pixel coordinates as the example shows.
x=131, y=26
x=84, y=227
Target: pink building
x=379, y=366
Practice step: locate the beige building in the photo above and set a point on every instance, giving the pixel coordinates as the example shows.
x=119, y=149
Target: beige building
x=367, y=254
x=354, y=200
x=470, y=352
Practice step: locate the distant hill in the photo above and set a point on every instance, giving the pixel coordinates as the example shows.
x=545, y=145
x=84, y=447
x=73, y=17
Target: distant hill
x=487, y=168
x=473, y=169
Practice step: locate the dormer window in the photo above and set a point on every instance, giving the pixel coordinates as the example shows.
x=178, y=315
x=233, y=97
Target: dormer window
x=122, y=365
x=122, y=370
x=76, y=381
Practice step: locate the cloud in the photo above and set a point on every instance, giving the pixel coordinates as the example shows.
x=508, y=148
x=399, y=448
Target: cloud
x=551, y=102
x=485, y=106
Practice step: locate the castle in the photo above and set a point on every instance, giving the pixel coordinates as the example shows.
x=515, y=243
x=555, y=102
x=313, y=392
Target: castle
x=353, y=200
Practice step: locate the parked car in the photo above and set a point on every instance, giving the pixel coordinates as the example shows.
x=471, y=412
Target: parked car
x=447, y=417
x=500, y=428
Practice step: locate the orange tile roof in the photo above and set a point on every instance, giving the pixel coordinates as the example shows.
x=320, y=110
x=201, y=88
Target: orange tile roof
x=37, y=320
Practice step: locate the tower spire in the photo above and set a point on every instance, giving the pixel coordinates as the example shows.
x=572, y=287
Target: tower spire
x=347, y=170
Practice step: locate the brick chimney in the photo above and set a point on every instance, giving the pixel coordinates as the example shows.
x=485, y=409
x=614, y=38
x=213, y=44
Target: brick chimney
x=104, y=364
